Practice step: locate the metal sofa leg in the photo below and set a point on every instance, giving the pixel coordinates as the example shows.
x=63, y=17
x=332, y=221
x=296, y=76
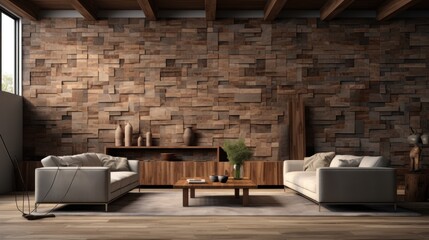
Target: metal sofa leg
x=319, y=207
x=106, y=208
x=395, y=206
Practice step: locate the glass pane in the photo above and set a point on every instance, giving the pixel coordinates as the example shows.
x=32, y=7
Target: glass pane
x=7, y=53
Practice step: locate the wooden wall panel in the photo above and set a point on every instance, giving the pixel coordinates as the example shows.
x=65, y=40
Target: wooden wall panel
x=363, y=83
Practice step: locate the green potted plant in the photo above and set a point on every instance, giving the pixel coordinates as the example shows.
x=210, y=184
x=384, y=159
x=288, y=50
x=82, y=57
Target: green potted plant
x=237, y=152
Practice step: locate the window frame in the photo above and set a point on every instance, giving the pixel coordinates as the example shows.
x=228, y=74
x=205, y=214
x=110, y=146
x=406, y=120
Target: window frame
x=17, y=51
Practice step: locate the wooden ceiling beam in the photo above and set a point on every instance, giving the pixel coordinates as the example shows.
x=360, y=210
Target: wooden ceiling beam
x=273, y=8
x=210, y=6
x=149, y=9
x=86, y=8
x=393, y=7
x=22, y=8
x=333, y=7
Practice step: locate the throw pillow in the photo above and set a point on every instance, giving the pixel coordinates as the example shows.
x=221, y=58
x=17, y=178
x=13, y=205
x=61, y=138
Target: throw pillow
x=318, y=160
x=373, y=161
x=70, y=161
x=51, y=161
x=336, y=161
x=114, y=163
x=354, y=162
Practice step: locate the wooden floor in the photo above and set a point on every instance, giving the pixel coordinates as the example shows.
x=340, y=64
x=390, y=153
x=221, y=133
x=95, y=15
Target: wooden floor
x=13, y=226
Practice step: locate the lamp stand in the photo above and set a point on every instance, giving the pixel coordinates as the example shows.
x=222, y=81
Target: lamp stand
x=29, y=215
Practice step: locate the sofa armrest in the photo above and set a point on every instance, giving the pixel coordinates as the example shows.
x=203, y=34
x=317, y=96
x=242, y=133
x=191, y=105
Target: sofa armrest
x=72, y=184
x=293, y=166
x=356, y=185
x=134, y=165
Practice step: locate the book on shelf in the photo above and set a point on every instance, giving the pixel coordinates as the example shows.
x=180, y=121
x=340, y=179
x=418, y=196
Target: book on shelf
x=195, y=180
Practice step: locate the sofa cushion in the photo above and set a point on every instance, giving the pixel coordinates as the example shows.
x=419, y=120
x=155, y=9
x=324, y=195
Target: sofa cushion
x=373, y=161
x=336, y=161
x=121, y=179
x=318, y=160
x=50, y=161
x=302, y=179
x=354, y=162
x=83, y=159
x=114, y=163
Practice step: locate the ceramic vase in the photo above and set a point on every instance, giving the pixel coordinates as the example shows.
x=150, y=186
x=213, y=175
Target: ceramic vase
x=148, y=139
x=140, y=141
x=238, y=171
x=188, y=136
x=128, y=135
x=119, y=136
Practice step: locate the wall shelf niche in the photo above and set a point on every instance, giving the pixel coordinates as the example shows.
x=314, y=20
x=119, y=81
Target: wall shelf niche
x=183, y=153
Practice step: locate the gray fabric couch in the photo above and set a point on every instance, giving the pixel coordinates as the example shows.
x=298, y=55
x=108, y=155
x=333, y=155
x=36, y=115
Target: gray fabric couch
x=88, y=178
x=369, y=183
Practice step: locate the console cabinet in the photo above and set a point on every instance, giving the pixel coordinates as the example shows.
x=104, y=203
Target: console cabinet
x=268, y=173
x=194, y=161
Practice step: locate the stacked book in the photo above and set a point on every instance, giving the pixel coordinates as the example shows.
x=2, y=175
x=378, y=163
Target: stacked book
x=194, y=180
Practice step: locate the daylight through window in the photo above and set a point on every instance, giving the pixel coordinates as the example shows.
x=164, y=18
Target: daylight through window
x=9, y=50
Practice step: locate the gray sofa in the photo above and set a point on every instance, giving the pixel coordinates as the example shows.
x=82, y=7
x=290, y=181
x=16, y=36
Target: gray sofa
x=88, y=178
x=371, y=182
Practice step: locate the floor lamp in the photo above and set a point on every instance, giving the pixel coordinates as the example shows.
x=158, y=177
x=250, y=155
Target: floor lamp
x=17, y=169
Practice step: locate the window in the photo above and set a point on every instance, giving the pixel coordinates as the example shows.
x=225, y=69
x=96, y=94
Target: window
x=9, y=61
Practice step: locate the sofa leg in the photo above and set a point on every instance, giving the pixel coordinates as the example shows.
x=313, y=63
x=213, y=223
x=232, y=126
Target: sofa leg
x=106, y=208
x=35, y=207
x=319, y=207
x=395, y=207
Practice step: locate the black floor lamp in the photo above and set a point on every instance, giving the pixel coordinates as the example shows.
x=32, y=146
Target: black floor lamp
x=29, y=215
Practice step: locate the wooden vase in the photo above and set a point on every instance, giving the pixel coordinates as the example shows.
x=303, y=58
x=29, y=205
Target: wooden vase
x=119, y=136
x=148, y=139
x=188, y=136
x=128, y=135
x=140, y=141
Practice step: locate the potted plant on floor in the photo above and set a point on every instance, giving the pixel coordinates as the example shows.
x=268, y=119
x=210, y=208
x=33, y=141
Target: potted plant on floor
x=237, y=152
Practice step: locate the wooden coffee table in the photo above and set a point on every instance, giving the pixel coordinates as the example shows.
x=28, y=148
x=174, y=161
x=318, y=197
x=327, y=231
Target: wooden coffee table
x=244, y=184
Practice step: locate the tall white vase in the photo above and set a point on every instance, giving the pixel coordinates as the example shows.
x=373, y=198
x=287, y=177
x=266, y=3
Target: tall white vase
x=119, y=136
x=148, y=139
x=128, y=135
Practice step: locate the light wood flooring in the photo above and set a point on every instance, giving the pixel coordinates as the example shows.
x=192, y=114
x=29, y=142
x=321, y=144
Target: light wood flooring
x=13, y=226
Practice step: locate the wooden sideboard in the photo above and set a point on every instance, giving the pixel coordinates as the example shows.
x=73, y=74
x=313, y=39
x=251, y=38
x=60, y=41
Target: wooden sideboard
x=267, y=173
x=193, y=161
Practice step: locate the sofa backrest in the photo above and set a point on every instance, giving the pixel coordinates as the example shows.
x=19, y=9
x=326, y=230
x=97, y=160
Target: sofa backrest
x=84, y=160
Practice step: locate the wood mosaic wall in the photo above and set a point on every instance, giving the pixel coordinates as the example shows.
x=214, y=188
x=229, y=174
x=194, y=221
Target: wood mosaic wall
x=364, y=83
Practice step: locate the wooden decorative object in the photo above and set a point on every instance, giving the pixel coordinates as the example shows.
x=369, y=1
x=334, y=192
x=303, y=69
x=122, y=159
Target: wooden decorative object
x=128, y=135
x=148, y=139
x=297, y=140
x=188, y=136
x=119, y=136
x=139, y=141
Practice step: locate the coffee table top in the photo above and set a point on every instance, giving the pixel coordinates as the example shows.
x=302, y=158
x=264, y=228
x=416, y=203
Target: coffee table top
x=230, y=184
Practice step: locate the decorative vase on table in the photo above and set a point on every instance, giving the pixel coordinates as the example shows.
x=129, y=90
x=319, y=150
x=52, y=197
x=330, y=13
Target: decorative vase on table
x=188, y=136
x=238, y=171
x=237, y=152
